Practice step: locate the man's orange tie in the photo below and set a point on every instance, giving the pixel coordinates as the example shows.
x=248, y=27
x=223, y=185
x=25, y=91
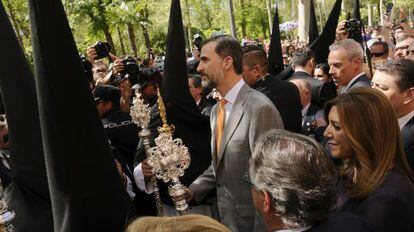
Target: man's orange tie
x=221, y=118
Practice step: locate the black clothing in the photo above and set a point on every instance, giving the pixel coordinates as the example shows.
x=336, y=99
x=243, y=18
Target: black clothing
x=308, y=120
x=361, y=81
x=199, y=161
x=205, y=107
x=321, y=91
x=342, y=222
x=5, y=174
x=192, y=66
x=407, y=133
x=388, y=208
x=123, y=134
x=285, y=96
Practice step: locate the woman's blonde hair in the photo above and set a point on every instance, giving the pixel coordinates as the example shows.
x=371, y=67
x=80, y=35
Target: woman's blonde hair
x=186, y=223
x=370, y=124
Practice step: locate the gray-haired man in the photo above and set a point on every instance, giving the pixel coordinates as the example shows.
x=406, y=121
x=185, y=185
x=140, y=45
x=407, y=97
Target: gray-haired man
x=293, y=185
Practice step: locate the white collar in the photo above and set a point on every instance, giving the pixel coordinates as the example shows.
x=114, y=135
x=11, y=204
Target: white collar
x=404, y=119
x=232, y=94
x=347, y=86
x=305, y=110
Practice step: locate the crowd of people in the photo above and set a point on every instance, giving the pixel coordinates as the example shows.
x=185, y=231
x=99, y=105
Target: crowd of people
x=325, y=147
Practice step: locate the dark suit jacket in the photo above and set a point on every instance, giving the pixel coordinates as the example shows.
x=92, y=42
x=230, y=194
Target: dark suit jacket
x=388, y=208
x=285, y=96
x=205, y=106
x=321, y=91
x=341, y=222
x=308, y=122
x=408, y=139
x=361, y=81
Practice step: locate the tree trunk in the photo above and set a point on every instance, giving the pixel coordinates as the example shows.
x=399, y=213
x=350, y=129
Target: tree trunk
x=189, y=36
x=131, y=35
x=144, y=13
x=243, y=18
x=121, y=41
x=269, y=14
x=303, y=19
x=146, y=37
x=105, y=26
x=264, y=26
x=231, y=18
x=208, y=17
x=14, y=22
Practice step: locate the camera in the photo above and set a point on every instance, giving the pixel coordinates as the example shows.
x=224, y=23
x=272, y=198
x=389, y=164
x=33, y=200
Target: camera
x=353, y=27
x=198, y=40
x=102, y=49
x=131, y=71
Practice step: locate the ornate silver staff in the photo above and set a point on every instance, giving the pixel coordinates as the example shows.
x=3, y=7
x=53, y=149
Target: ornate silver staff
x=141, y=115
x=6, y=216
x=168, y=159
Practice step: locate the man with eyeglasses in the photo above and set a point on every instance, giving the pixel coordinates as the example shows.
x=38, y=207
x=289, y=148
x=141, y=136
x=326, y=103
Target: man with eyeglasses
x=293, y=185
x=410, y=55
x=401, y=48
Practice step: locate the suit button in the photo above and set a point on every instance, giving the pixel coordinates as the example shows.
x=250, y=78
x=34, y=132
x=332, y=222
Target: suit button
x=219, y=185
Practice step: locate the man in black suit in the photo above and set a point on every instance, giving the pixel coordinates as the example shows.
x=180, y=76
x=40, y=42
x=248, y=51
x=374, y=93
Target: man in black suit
x=346, y=60
x=304, y=64
x=196, y=89
x=396, y=80
x=283, y=94
x=309, y=109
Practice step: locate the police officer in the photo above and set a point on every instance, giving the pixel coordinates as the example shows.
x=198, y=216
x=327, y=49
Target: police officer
x=121, y=131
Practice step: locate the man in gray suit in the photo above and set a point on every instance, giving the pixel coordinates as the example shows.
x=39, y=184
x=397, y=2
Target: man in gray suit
x=238, y=119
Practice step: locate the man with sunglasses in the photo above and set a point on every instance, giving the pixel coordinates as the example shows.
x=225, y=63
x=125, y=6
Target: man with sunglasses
x=410, y=55
x=401, y=48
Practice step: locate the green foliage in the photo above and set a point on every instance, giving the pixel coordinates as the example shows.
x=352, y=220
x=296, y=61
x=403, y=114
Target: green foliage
x=89, y=19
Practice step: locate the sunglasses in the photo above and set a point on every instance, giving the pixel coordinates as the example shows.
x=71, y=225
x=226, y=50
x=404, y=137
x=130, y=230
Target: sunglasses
x=379, y=54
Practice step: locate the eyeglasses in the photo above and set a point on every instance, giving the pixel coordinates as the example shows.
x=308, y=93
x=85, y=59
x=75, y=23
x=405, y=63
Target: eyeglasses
x=402, y=48
x=379, y=54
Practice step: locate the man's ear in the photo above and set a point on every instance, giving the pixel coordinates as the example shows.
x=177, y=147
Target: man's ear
x=267, y=202
x=228, y=62
x=409, y=96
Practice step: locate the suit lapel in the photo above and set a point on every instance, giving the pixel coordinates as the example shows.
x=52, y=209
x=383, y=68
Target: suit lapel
x=234, y=119
x=407, y=132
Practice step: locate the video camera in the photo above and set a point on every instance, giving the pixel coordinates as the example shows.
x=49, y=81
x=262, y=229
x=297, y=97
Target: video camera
x=353, y=27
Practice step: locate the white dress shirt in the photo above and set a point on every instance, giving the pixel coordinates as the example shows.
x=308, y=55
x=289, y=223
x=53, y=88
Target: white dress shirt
x=346, y=88
x=230, y=99
x=404, y=119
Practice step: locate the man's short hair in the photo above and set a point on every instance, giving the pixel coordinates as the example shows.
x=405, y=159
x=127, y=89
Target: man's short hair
x=403, y=69
x=295, y=170
x=254, y=55
x=352, y=48
x=404, y=37
x=196, y=80
x=228, y=46
x=383, y=44
x=302, y=57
